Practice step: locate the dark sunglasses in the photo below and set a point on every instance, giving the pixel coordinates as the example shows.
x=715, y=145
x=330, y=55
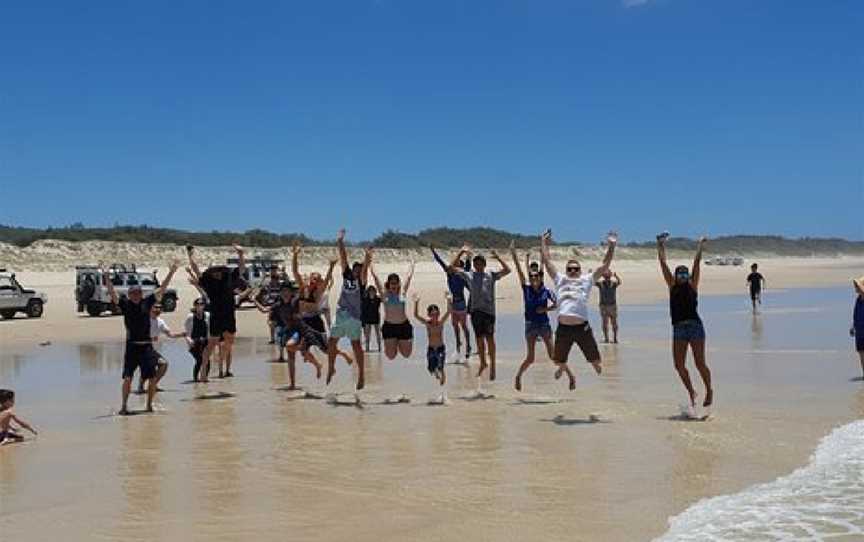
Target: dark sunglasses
x=533, y=276
x=574, y=269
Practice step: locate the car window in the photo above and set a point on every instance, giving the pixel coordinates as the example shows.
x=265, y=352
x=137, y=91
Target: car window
x=148, y=280
x=131, y=280
x=6, y=283
x=117, y=280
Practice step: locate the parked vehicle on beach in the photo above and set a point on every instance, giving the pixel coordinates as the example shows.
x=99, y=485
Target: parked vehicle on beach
x=725, y=260
x=256, y=274
x=92, y=294
x=14, y=298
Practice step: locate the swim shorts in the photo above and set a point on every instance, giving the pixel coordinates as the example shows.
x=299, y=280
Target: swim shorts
x=435, y=358
x=688, y=330
x=400, y=332
x=346, y=326
x=483, y=323
x=580, y=334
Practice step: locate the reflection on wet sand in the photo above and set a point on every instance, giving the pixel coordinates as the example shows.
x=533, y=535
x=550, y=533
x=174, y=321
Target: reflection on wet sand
x=605, y=462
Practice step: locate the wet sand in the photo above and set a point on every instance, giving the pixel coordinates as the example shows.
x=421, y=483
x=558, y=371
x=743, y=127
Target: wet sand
x=610, y=461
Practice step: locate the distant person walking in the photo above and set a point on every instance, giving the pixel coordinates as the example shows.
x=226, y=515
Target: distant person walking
x=572, y=290
x=687, y=328
x=756, y=282
x=607, y=286
x=857, y=329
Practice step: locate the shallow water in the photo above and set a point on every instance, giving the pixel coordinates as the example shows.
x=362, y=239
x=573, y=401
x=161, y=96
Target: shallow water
x=610, y=461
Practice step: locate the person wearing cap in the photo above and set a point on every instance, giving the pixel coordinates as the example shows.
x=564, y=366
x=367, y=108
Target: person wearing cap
x=573, y=290
x=219, y=283
x=139, y=352
x=197, y=330
x=481, y=305
x=857, y=329
x=687, y=327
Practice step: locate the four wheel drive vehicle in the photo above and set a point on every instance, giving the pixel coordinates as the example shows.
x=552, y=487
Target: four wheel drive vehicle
x=92, y=294
x=256, y=275
x=15, y=298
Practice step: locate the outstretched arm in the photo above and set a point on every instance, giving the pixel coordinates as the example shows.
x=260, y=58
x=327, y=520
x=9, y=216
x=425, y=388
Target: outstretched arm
x=545, y=257
x=192, y=265
x=112, y=293
x=519, y=271
x=258, y=304
x=611, y=242
x=340, y=245
x=328, y=279
x=417, y=310
x=664, y=267
x=295, y=266
x=367, y=264
x=457, y=259
x=241, y=259
x=438, y=259
x=408, y=280
x=377, y=281
x=618, y=278
x=505, y=269
x=697, y=262
x=22, y=423
x=164, y=286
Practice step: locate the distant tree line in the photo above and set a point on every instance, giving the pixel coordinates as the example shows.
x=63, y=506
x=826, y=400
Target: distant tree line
x=444, y=237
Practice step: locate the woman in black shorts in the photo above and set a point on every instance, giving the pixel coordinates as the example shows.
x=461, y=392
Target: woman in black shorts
x=397, y=331
x=687, y=328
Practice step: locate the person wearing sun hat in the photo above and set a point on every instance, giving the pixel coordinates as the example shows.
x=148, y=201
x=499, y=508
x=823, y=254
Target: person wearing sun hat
x=857, y=329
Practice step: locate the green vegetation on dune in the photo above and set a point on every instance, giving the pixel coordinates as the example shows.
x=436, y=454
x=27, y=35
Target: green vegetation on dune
x=444, y=237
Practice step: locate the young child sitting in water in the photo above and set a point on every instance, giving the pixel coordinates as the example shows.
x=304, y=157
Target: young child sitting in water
x=436, y=352
x=7, y=416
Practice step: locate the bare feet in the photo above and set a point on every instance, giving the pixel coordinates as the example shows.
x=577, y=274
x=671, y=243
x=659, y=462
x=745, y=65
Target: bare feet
x=123, y=412
x=572, y=383
x=330, y=373
x=361, y=384
x=318, y=371
x=149, y=408
x=709, y=398
x=518, y=384
x=693, y=396
x=559, y=372
x=482, y=368
x=597, y=368
x=348, y=359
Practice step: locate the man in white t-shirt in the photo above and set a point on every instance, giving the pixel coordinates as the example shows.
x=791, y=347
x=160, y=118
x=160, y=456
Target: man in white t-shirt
x=158, y=328
x=573, y=290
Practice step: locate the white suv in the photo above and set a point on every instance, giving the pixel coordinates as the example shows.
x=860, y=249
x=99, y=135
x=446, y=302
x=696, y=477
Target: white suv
x=14, y=298
x=92, y=294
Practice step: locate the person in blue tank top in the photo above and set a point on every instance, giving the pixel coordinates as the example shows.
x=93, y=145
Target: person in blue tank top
x=857, y=329
x=687, y=328
x=459, y=311
x=538, y=300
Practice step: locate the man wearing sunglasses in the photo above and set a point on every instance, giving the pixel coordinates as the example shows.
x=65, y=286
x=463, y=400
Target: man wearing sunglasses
x=573, y=290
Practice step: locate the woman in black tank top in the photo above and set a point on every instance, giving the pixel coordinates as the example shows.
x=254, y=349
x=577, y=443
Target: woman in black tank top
x=687, y=328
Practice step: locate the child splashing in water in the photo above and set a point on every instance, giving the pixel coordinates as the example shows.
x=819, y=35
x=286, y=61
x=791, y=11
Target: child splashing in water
x=436, y=352
x=397, y=331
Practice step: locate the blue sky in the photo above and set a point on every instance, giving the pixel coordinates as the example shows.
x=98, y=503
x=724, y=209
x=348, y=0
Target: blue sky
x=696, y=116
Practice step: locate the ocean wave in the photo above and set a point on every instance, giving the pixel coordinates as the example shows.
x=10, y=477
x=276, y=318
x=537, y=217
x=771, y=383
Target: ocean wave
x=821, y=501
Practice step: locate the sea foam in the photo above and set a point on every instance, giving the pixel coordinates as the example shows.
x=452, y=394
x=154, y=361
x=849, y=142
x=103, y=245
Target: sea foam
x=821, y=501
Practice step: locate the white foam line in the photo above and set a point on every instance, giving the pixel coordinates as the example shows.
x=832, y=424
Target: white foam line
x=822, y=500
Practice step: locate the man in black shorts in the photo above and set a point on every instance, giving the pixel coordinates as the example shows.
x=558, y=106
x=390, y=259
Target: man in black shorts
x=219, y=283
x=139, y=353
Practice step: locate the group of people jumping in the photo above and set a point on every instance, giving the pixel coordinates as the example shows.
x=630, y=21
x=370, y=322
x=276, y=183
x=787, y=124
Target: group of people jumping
x=295, y=310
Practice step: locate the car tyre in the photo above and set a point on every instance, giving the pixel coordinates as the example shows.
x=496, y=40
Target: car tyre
x=35, y=308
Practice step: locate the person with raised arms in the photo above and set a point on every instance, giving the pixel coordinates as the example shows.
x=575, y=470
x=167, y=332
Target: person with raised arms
x=538, y=302
x=397, y=331
x=219, y=283
x=349, y=312
x=572, y=290
x=459, y=310
x=687, y=327
x=139, y=352
x=481, y=286
x=436, y=351
x=608, y=288
x=312, y=292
